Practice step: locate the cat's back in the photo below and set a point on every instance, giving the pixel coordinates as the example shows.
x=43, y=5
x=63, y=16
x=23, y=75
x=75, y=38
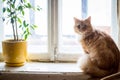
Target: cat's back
x=105, y=41
x=99, y=38
x=101, y=47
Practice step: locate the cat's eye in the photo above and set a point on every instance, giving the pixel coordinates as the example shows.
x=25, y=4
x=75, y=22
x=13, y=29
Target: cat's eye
x=78, y=26
x=85, y=25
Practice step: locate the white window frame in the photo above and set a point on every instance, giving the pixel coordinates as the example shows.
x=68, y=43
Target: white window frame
x=53, y=24
x=1, y=24
x=114, y=21
x=50, y=56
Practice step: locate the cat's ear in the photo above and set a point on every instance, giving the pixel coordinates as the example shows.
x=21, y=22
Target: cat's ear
x=76, y=20
x=88, y=19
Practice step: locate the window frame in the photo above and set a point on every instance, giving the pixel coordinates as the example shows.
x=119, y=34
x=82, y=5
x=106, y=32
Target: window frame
x=53, y=34
x=114, y=20
x=1, y=28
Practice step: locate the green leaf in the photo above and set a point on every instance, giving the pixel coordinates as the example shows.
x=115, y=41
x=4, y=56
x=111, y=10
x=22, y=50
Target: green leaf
x=29, y=5
x=27, y=29
x=12, y=20
x=20, y=26
x=24, y=1
x=14, y=16
x=3, y=0
x=8, y=10
x=19, y=20
x=11, y=13
x=14, y=1
x=38, y=8
x=13, y=6
x=26, y=36
x=25, y=24
x=3, y=18
x=21, y=1
x=4, y=9
x=35, y=26
x=20, y=8
x=32, y=27
x=23, y=13
x=24, y=32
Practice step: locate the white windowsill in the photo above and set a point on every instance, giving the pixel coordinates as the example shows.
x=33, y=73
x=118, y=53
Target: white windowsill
x=42, y=71
x=48, y=71
x=42, y=67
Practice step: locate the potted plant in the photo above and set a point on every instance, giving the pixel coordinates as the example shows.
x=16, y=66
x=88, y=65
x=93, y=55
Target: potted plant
x=15, y=50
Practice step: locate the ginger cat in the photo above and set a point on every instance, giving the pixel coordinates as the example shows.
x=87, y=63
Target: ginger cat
x=101, y=56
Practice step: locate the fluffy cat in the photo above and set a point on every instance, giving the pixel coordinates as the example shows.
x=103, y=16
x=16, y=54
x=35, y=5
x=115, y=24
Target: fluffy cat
x=101, y=56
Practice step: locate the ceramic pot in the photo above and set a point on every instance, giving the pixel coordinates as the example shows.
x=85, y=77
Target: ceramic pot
x=14, y=52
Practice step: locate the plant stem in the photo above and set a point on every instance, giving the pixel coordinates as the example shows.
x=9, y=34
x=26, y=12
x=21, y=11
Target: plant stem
x=16, y=27
x=13, y=27
x=13, y=31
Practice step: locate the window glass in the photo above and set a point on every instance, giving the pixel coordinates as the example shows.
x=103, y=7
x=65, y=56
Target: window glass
x=100, y=11
x=38, y=42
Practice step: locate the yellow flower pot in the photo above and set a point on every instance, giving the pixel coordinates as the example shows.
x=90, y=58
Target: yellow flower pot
x=14, y=52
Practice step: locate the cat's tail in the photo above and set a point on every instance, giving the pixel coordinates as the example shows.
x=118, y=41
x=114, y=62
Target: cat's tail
x=97, y=72
x=115, y=76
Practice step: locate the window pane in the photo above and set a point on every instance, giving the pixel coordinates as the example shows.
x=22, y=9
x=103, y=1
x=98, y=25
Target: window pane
x=67, y=38
x=99, y=10
x=38, y=43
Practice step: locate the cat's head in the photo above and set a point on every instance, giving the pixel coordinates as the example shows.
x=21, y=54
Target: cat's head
x=83, y=26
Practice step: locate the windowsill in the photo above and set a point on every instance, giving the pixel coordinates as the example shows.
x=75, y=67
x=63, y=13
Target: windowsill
x=42, y=67
x=42, y=71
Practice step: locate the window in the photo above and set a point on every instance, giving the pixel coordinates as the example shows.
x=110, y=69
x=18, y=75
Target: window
x=55, y=39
